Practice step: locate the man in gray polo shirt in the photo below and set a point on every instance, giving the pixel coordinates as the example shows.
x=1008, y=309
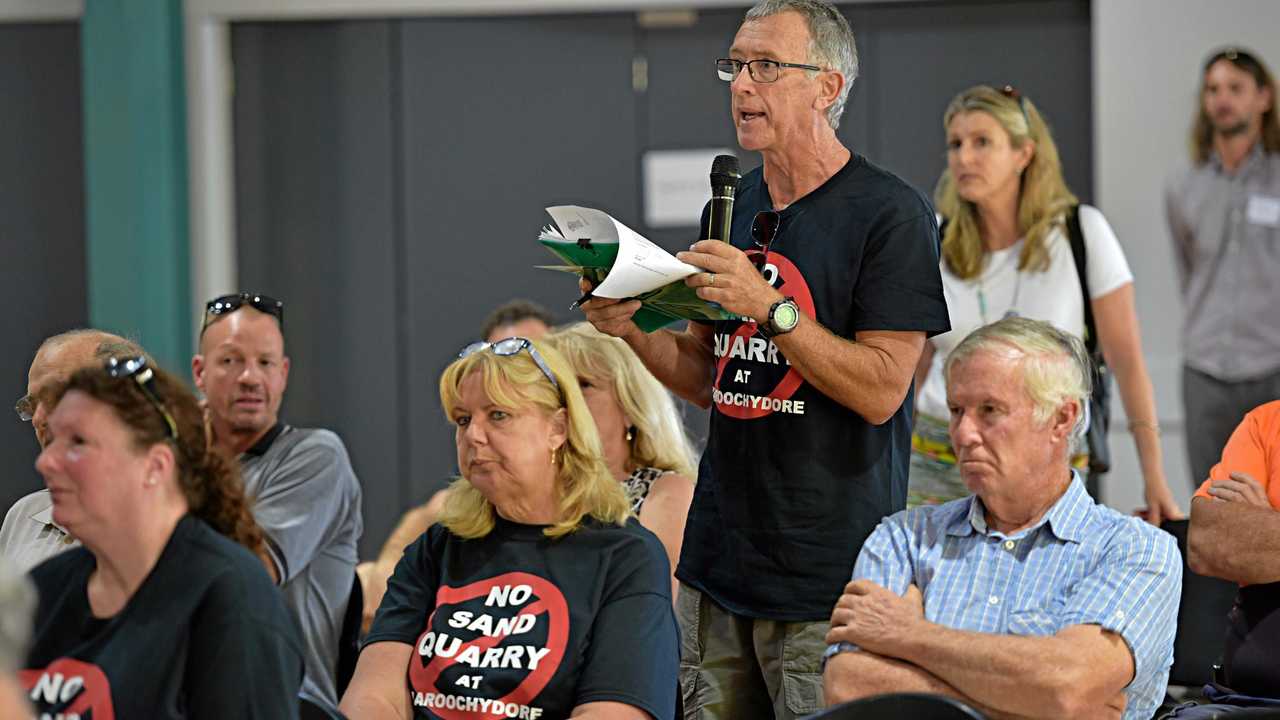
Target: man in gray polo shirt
x=1224, y=216
x=29, y=535
x=305, y=494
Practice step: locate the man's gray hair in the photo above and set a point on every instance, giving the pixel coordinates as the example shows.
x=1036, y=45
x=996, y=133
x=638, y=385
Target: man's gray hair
x=1055, y=365
x=831, y=43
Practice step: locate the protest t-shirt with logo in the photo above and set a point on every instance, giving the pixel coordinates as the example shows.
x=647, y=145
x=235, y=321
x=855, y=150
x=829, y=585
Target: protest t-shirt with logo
x=206, y=635
x=519, y=625
x=791, y=481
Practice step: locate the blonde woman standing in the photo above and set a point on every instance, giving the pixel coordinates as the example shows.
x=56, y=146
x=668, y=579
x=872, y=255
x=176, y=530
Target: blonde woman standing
x=1005, y=251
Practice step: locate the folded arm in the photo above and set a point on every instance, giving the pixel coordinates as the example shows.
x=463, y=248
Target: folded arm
x=1235, y=541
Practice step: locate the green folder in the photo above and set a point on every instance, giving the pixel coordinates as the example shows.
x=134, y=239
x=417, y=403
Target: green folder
x=668, y=304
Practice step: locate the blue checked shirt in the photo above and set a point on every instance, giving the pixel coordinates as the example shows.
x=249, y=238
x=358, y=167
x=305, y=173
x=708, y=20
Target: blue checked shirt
x=1083, y=564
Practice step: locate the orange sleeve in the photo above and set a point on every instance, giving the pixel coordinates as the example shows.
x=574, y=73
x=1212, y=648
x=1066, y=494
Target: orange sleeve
x=1247, y=451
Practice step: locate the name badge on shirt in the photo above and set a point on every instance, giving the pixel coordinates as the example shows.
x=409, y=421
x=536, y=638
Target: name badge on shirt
x=1263, y=210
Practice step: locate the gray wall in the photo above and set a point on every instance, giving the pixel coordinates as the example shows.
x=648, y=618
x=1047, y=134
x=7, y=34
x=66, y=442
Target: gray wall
x=1153, y=51
x=42, y=255
x=391, y=175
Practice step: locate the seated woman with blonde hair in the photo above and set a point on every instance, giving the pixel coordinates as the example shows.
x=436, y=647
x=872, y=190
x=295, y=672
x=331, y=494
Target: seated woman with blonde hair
x=645, y=445
x=538, y=594
x=165, y=612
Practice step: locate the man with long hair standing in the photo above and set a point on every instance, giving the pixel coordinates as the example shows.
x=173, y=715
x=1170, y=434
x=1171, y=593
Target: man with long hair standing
x=1224, y=216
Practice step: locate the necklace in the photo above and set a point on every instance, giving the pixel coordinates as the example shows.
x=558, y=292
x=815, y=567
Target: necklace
x=1013, y=303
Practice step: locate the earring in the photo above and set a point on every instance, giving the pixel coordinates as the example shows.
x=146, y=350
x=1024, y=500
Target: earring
x=631, y=433
x=150, y=481
x=554, y=459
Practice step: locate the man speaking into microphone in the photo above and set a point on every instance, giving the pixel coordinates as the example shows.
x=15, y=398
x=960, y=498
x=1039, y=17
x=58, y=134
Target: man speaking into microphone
x=834, y=263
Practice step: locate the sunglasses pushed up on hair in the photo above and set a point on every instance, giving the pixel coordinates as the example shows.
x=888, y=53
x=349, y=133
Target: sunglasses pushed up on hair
x=226, y=304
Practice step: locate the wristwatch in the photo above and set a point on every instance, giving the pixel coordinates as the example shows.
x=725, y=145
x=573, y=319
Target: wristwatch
x=784, y=315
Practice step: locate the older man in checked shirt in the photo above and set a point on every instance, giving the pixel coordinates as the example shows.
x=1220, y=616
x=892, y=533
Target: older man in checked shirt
x=1024, y=599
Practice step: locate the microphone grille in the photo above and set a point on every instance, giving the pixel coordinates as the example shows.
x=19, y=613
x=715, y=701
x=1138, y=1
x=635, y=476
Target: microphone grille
x=725, y=165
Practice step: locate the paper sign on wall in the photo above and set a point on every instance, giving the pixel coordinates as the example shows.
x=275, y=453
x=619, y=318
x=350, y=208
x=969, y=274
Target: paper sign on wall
x=676, y=186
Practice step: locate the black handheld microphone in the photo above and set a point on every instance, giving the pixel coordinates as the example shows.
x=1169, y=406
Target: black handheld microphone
x=724, y=184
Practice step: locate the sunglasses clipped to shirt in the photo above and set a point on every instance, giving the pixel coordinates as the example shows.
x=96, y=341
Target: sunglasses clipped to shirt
x=225, y=304
x=137, y=369
x=512, y=346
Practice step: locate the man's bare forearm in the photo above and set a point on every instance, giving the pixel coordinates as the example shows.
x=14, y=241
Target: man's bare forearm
x=869, y=375
x=1032, y=676
x=682, y=361
x=1234, y=541
x=855, y=675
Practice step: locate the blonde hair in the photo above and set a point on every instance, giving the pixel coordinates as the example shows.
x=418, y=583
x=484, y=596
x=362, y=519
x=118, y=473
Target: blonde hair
x=1055, y=365
x=584, y=483
x=1043, y=198
x=659, y=439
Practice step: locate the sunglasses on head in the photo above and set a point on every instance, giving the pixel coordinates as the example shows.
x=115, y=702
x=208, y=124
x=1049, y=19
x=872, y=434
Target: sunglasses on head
x=136, y=368
x=512, y=346
x=1240, y=58
x=1014, y=94
x=226, y=304
x=764, y=228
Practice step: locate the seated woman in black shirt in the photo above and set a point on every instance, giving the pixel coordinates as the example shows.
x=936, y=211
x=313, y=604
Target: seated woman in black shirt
x=538, y=595
x=163, y=613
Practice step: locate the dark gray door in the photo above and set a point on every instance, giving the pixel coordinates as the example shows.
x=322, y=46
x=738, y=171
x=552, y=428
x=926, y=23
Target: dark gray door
x=42, y=255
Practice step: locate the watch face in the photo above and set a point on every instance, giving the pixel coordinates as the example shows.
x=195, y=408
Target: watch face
x=786, y=316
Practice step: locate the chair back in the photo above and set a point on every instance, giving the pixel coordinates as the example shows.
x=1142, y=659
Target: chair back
x=349, y=637
x=900, y=706
x=1202, y=618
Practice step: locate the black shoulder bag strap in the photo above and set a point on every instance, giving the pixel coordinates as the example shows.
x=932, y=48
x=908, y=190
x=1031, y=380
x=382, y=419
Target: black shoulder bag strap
x=1076, y=235
x=1100, y=412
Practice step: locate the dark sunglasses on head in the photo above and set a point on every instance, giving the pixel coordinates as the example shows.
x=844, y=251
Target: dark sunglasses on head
x=764, y=228
x=512, y=346
x=1013, y=93
x=225, y=304
x=136, y=368
x=1240, y=58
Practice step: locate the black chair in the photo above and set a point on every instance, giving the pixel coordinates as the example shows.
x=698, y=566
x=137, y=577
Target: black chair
x=1202, y=618
x=900, y=706
x=349, y=638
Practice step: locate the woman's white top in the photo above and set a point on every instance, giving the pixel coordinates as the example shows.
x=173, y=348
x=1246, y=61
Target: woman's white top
x=1052, y=295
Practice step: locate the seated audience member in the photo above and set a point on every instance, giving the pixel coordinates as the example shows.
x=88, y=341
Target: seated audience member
x=516, y=318
x=1024, y=598
x=163, y=613
x=644, y=442
x=537, y=594
x=305, y=494
x=1235, y=535
x=17, y=600
x=29, y=534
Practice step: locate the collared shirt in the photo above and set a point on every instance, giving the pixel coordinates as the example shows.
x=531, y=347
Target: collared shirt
x=1082, y=564
x=1226, y=234
x=29, y=535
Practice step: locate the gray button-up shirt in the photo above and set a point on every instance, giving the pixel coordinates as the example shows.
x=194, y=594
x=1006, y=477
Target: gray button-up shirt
x=1226, y=234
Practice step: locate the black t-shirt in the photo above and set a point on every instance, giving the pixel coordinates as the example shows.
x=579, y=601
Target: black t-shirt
x=792, y=482
x=516, y=622
x=206, y=635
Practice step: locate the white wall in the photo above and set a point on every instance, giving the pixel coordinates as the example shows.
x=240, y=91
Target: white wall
x=1146, y=71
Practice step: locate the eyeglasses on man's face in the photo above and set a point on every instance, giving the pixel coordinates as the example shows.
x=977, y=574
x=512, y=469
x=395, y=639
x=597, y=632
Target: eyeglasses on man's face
x=762, y=71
